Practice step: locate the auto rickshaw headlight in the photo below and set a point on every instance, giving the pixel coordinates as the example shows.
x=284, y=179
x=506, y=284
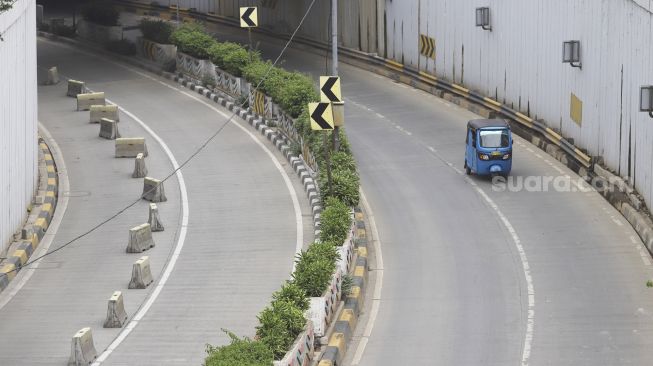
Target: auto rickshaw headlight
x=484, y=157
x=506, y=156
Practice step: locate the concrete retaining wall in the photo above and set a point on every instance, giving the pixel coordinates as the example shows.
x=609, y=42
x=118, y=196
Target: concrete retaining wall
x=18, y=117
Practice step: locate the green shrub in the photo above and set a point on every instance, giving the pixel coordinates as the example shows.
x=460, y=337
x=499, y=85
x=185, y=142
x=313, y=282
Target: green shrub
x=122, y=47
x=192, y=40
x=235, y=60
x=158, y=31
x=341, y=160
x=335, y=222
x=292, y=293
x=315, y=267
x=279, y=325
x=220, y=49
x=347, y=284
x=240, y=352
x=296, y=93
x=101, y=12
x=344, y=186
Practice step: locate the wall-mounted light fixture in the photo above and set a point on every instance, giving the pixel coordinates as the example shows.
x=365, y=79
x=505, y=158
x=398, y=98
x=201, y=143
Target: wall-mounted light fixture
x=571, y=53
x=646, y=99
x=483, y=18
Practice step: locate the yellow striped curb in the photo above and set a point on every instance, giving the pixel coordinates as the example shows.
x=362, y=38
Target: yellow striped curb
x=346, y=322
x=28, y=245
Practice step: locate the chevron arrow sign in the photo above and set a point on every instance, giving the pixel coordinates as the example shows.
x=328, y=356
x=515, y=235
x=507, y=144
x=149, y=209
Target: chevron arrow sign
x=248, y=17
x=321, y=116
x=330, y=89
x=427, y=46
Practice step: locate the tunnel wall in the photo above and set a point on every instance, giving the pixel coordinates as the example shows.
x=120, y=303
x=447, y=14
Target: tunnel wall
x=18, y=117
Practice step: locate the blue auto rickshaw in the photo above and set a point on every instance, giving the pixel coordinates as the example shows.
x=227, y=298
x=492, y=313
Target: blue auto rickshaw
x=488, y=148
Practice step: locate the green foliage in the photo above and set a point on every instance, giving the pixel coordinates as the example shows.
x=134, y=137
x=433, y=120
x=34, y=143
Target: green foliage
x=192, y=40
x=101, y=12
x=292, y=293
x=649, y=283
x=6, y=4
x=158, y=31
x=240, y=352
x=335, y=222
x=237, y=59
x=122, y=47
x=341, y=160
x=280, y=324
x=218, y=50
x=344, y=186
x=347, y=284
x=315, y=267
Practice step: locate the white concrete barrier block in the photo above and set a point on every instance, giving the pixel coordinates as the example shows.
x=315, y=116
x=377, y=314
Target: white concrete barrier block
x=141, y=274
x=130, y=147
x=75, y=87
x=97, y=112
x=154, y=220
x=109, y=129
x=140, y=170
x=86, y=100
x=153, y=190
x=82, y=350
x=116, y=314
x=140, y=239
x=53, y=76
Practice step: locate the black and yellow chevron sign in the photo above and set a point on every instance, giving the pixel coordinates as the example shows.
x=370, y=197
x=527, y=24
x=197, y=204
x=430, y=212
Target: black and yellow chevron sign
x=248, y=17
x=321, y=116
x=427, y=46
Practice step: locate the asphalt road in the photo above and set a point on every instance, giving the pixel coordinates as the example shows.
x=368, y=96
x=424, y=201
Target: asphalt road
x=241, y=232
x=472, y=275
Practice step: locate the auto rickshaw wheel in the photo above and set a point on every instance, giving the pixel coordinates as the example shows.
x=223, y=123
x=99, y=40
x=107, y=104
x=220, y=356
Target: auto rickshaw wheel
x=468, y=171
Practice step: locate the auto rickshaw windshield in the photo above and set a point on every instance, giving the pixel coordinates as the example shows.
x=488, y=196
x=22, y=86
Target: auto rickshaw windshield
x=494, y=138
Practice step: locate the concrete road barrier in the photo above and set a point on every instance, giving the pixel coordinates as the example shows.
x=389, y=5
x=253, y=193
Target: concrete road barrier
x=82, y=350
x=109, y=129
x=53, y=76
x=86, y=100
x=130, y=147
x=75, y=87
x=103, y=111
x=116, y=314
x=153, y=190
x=140, y=239
x=140, y=170
x=154, y=220
x=141, y=274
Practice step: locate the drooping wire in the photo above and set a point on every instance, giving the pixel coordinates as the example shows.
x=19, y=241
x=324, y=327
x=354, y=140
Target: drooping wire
x=195, y=153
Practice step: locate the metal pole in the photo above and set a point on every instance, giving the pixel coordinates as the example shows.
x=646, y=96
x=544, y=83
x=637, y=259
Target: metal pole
x=328, y=162
x=334, y=62
x=249, y=35
x=177, y=13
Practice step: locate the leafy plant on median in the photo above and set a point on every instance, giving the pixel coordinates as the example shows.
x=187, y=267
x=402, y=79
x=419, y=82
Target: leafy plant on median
x=240, y=352
x=280, y=324
x=192, y=40
x=292, y=293
x=158, y=31
x=345, y=185
x=335, y=222
x=314, y=268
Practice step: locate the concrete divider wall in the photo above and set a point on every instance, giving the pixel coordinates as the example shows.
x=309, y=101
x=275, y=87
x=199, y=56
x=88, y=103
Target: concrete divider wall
x=18, y=118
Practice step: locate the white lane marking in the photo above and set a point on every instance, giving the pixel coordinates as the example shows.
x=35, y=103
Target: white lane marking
x=62, y=204
x=170, y=265
x=380, y=115
x=530, y=323
x=378, y=286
